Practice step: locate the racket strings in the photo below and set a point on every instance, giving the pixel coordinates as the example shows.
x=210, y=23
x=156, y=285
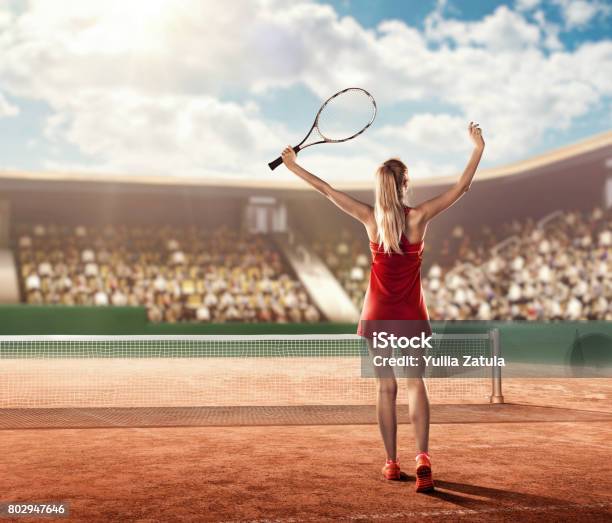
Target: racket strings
x=346, y=115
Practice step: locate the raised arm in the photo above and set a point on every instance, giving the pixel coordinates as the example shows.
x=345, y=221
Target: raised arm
x=436, y=205
x=358, y=210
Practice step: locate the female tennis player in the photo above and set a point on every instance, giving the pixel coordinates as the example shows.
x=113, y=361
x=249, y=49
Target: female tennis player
x=396, y=233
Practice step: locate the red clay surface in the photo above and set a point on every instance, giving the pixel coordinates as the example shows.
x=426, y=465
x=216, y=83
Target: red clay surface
x=524, y=470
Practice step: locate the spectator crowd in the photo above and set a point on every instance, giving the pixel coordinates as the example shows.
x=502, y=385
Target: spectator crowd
x=178, y=274
x=561, y=269
x=558, y=269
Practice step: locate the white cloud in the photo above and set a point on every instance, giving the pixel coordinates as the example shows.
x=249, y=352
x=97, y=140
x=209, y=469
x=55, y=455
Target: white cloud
x=430, y=132
x=142, y=86
x=6, y=108
x=503, y=30
x=579, y=13
x=550, y=31
x=526, y=5
x=169, y=134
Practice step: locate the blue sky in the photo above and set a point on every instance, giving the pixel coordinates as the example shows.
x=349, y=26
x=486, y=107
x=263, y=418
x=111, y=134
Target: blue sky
x=202, y=89
x=370, y=13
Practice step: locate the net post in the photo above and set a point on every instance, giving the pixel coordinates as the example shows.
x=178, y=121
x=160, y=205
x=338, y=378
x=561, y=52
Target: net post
x=496, y=396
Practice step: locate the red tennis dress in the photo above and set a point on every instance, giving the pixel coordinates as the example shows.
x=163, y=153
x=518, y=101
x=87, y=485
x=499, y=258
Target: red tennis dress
x=394, y=291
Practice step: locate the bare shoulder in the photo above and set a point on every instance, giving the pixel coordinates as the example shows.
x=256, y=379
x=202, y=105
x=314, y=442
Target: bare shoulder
x=416, y=225
x=416, y=215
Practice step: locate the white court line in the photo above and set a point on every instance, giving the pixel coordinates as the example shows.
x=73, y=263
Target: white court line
x=429, y=513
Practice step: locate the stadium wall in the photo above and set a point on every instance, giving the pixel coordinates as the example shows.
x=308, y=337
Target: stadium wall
x=28, y=320
x=576, y=184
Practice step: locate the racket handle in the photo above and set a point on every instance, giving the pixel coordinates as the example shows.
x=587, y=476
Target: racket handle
x=273, y=165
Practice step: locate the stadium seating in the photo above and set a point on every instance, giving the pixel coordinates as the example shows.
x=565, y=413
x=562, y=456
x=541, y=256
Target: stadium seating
x=179, y=274
x=349, y=258
x=560, y=268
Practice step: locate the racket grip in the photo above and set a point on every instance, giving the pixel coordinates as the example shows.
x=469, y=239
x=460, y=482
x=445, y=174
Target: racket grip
x=273, y=165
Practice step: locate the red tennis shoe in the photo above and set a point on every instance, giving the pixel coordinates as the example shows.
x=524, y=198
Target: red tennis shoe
x=391, y=470
x=424, y=479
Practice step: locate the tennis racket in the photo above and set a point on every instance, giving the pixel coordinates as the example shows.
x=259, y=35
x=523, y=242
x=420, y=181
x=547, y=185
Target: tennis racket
x=342, y=117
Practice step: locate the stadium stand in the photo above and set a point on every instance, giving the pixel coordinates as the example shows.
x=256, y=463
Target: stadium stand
x=558, y=268
x=349, y=257
x=178, y=273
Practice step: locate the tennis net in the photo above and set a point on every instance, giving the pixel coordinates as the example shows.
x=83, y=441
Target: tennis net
x=177, y=371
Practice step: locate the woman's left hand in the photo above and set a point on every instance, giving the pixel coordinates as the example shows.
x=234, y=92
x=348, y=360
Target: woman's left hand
x=475, y=133
x=288, y=155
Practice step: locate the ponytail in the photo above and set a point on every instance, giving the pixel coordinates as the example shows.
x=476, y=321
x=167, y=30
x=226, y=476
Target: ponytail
x=389, y=208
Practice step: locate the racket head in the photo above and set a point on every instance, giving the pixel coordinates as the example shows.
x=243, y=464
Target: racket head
x=345, y=115
x=342, y=117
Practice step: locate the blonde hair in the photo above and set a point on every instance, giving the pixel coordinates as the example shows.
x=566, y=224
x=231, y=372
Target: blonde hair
x=389, y=207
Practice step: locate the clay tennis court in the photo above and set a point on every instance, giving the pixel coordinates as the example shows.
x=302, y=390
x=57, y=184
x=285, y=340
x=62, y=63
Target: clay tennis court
x=544, y=455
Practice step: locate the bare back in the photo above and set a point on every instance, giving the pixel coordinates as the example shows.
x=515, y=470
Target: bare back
x=414, y=226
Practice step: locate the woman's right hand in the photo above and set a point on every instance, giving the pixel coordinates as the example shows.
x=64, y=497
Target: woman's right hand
x=475, y=133
x=289, y=157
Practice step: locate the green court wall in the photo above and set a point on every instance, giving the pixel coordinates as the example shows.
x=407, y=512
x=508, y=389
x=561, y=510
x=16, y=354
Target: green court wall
x=61, y=319
x=27, y=320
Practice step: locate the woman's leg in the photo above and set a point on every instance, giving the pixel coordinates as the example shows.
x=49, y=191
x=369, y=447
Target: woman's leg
x=387, y=415
x=418, y=404
x=419, y=417
x=386, y=395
